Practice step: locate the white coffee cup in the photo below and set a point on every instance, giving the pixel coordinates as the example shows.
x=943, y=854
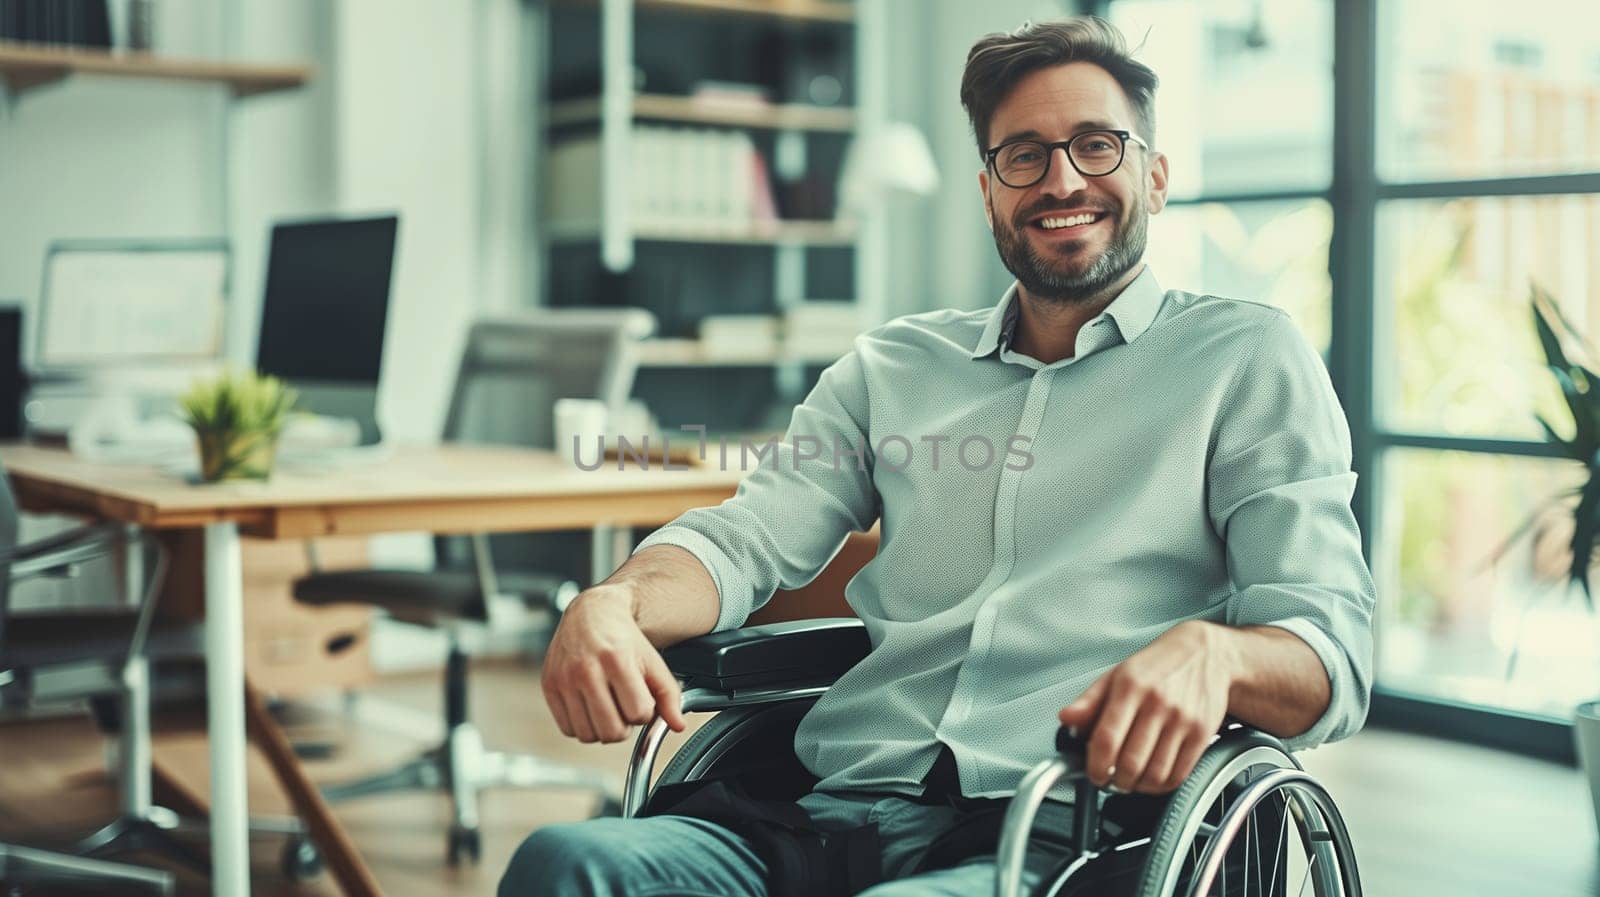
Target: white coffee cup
x=581, y=426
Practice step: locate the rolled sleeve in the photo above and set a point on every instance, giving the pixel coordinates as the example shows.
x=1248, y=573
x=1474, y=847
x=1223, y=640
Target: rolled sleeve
x=1280, y=485
x=791, y=515
x=733, y=587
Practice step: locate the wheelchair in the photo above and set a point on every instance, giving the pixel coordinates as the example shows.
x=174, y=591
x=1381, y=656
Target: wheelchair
x=1248, y=822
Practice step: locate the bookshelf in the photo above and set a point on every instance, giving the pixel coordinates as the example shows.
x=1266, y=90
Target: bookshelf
x=27, y=66
x=797, y=11
x=689, y=110
x=819, y=234
x=693, y=152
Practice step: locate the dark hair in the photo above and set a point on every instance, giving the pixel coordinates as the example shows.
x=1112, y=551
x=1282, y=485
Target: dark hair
x=998, y=61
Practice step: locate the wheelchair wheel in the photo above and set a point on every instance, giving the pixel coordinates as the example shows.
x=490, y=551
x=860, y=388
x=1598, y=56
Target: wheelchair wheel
x=1249, y=822
x=755, y=743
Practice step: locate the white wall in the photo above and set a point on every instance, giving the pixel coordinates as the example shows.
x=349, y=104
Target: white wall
x=283, y=147
x=407, y=142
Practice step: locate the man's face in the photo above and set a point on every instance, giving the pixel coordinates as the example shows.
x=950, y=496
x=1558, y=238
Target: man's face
x=1078, y=262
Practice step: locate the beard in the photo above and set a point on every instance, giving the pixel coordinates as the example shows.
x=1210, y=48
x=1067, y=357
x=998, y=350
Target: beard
x=1057, y=277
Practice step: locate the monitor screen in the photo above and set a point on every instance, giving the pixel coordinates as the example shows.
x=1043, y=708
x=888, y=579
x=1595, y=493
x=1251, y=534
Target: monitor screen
x=110, y=305
x=327, y=300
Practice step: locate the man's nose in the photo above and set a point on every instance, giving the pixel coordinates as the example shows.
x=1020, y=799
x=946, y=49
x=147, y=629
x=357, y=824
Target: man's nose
x=1062, y=180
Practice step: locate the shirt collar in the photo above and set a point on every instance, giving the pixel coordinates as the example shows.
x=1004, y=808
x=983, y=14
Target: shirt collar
x=1132, y=311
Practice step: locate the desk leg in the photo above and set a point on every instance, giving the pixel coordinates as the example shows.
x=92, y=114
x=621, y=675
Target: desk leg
x=609, y=546
x=230, y=843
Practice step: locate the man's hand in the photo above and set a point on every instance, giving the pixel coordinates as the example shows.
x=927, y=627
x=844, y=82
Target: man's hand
x=602, y=676
x=1151, y=716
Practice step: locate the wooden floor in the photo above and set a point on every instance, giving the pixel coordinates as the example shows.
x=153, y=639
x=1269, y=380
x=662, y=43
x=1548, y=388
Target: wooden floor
x=1429, y=817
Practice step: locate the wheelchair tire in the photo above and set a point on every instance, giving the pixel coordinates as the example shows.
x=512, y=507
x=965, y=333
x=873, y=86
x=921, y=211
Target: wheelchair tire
x=1219, y=789
x=742, y=741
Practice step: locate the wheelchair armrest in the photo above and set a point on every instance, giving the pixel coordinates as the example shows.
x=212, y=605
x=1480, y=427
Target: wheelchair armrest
x=777, y=655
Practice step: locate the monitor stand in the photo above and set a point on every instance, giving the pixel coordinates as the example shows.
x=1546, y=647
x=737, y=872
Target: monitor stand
x=351, y=401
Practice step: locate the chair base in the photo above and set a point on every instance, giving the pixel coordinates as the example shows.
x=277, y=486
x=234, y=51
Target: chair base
x=144, y=834
x=22, y=865
x=463, y=768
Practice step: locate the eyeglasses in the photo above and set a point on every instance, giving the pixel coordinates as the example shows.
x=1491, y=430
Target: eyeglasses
x=1023, y=163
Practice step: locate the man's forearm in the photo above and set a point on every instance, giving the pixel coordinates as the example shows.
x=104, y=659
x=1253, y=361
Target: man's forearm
x=1279, y=683
x=667, y=590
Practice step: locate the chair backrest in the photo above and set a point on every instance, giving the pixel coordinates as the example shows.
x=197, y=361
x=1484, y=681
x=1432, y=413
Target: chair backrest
x=513, y=370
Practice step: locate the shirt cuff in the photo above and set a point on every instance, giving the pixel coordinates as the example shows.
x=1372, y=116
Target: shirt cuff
x=735, y=602
x=1344, y=702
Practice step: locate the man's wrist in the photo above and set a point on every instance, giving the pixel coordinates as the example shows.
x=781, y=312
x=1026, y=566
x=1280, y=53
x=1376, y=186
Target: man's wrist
x=616, y=595
x=1223, y=648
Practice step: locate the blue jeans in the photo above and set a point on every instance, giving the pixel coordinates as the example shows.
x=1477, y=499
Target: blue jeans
x=676, y=856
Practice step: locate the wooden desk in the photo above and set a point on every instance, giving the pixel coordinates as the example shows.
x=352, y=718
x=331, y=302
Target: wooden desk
x=451, y=489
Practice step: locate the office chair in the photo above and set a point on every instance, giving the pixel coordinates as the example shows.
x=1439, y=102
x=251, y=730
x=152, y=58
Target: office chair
x=512, y=372
x=73, y=655
x=1248, y=822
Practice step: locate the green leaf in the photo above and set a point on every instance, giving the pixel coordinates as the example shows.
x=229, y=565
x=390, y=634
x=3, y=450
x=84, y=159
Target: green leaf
x=1544, y=296
x=238, y=403
x=1567, y=446
x=1580, y=402
x=1587, y=520
x=1522, y=528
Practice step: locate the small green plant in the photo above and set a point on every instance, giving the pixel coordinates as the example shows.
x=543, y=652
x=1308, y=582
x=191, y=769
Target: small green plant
x=237, y=418
x=1580, y=387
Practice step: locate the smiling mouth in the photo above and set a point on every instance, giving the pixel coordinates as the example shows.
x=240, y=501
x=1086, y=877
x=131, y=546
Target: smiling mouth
x=1066, y=224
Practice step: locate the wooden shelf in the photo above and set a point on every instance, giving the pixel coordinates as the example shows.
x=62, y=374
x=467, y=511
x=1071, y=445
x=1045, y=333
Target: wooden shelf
x=804, y=233
x=691, y=353
x=825, y=11
x=26, y=66
x=688, y=110
x=807, y=233
x=796, y=10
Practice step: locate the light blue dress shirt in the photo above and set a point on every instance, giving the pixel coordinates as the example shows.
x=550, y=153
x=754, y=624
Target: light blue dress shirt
x=1190, y=461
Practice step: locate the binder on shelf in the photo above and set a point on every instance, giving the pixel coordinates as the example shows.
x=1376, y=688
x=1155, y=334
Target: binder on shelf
x=692, y=180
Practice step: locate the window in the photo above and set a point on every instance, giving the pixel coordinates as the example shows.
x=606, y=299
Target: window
x=1246, y=97
x=1472, y=91
x=1458, y=620
x=1273, y=251
x=1487, y=148
x=1454, y=280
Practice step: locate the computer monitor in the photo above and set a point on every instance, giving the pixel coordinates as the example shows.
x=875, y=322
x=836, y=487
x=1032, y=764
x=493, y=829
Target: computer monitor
x=324, y=312
x=108, y=305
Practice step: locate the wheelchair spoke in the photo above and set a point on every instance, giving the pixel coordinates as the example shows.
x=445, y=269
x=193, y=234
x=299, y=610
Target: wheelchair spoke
x=1277, y=852
x=1250, y=844
x=1310, y=868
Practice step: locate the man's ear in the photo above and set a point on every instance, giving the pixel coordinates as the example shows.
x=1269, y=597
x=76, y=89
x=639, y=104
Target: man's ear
x=1157, y=184
x=983, y=188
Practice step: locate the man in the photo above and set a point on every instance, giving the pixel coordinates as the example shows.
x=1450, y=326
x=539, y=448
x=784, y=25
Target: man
x=1159, y=535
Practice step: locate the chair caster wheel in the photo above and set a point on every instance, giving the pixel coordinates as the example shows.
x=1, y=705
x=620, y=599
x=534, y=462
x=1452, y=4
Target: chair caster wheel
x=465, y=841
x=300, y=859
x=609, y=806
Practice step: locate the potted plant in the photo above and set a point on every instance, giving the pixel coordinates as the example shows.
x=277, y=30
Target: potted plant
x=1580, y=388
x=237, y=418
